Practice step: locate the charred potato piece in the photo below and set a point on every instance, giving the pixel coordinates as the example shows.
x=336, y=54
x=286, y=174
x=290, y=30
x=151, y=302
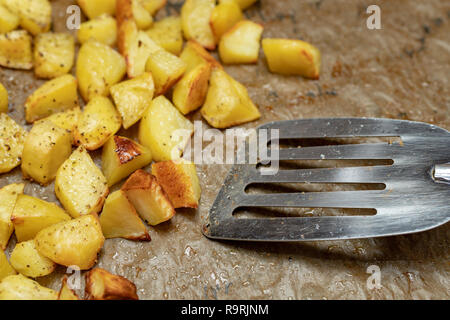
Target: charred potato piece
x=102, y=285
x=35, y=15
x=152, y=6
x=149, y=199
x=5, y=267
x=8, y=20
x=12, y=138
x=120, y=220
x=67, y=293
x=102, y=29
x=194, y=54
x=121, y=157
x=8, y=198
x=56, y=95
x=19, y=287
x=80, y=185
x=95, y=8
x=224, y=16
x=15, y=50
x=167, y=34
x=3, y=99
x=28, y=261
x=133, y=10
x=292, y=57
x=195, y=15
x=31, y=215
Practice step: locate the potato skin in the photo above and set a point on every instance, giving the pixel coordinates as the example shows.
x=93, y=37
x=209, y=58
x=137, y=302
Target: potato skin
x=15, y=50
x=19, y=287
x=102, y=285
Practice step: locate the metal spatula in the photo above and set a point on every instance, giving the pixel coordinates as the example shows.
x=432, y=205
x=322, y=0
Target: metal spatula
x=416, y=197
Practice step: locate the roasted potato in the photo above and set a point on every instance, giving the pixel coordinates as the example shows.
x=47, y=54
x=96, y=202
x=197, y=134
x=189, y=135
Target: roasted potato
x=28, y=261
x=152, y=6
x=95, y=8
x=15, y=50
x=98, y=68
x=149, y=199
x=120, y=220
x=243, y=4
x=167, y=34
x=80, y=185
x=102, y=29
x=194, y=54
x=102, y=285
x=35, y=15
x=53, y=54
x=132, y=97
x=3, y=99
x=46, y=147
x=5, y=268
x=180, y=182
x=66, y=119
x=8, y=198
x=8, y=20
x=292, y=57
x=224, y=16
x=133, y=10
x=98, y=122
x=56, y=95
x=67, y=293
x=12, y=138
x=190, y=92
x=72, y=243
x=121, y=157
x=195, y=15
x=227, y=102
x=31, y=215
x=164, y=130
x=19, y=287
x=135, y=46
x=240, y=44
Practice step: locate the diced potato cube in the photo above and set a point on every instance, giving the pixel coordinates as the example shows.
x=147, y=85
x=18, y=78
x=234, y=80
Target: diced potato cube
x=28, y=261
x=56, y=95
x=102, y=285
x=15, y=50
x=8, y=20
x=95, y=8
x=72, y=243
x=35, y=15
x=120, y=220
x=194, y=54
x=80, y=185
x=164, y=130
x=66, y=119
x=149, y=199
x=53, y=54
x=98, y=122
x=98, y=68
x=195, y=15
x=31, y=215
x=46, y=147
x=244, y=4
x=132, y=97
x=167, y=34
x=292, y=57
x=19, y=287
x=180, y=182
x=3, y=99
x=121, y=157
x=102, y=29
x=8, y=198
x=67, y=293
x=12, y=138
x=190, y=92
x=152, y=6
x=227, y=102
x=5, y=268
x=224, y=16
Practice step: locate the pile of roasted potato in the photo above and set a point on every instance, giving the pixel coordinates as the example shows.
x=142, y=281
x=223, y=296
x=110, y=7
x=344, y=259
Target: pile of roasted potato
x=129, y=70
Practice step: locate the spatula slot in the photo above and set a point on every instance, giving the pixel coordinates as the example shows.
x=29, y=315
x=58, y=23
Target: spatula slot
x=333, y=141
x=313, y=164
x=310, y=187
x=274, y=212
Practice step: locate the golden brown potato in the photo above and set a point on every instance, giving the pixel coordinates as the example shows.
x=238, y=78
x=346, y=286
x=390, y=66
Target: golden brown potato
x=31, y=215
x=167, y=34
x=35, y=15
x=15, y=50
x=132, y=97
x=102, y=29
x=180, y=182
x=227, y=102
x=164, y=130
x=149, y=199
x=152, y=6
x=194, y=54
x=190, y=92
x=120, y=220
x=72, y=243
x=28, y=261
x=95, y=8
x=292, y=57
x=56, y=95
x=5, y=268
x=80, y=185
x=19, y=287
x=98, y=68
x=195, y=15
x=8, y=20
x=224, y=16
x=102, y=285
x=53, y=54
x=12, y=138
x=8, y=198
x=121, y=157
x=46, y=147
x=66, y=293
x=98, y=122
x=3, y=99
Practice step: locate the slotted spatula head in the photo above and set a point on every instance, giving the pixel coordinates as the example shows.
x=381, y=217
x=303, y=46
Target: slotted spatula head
x=413, y=200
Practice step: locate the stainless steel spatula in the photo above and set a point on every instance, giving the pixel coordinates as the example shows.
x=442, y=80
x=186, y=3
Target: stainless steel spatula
x=416, y=197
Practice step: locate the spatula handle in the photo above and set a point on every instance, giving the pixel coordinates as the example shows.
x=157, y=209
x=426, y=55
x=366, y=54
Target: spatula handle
x=441, y=173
